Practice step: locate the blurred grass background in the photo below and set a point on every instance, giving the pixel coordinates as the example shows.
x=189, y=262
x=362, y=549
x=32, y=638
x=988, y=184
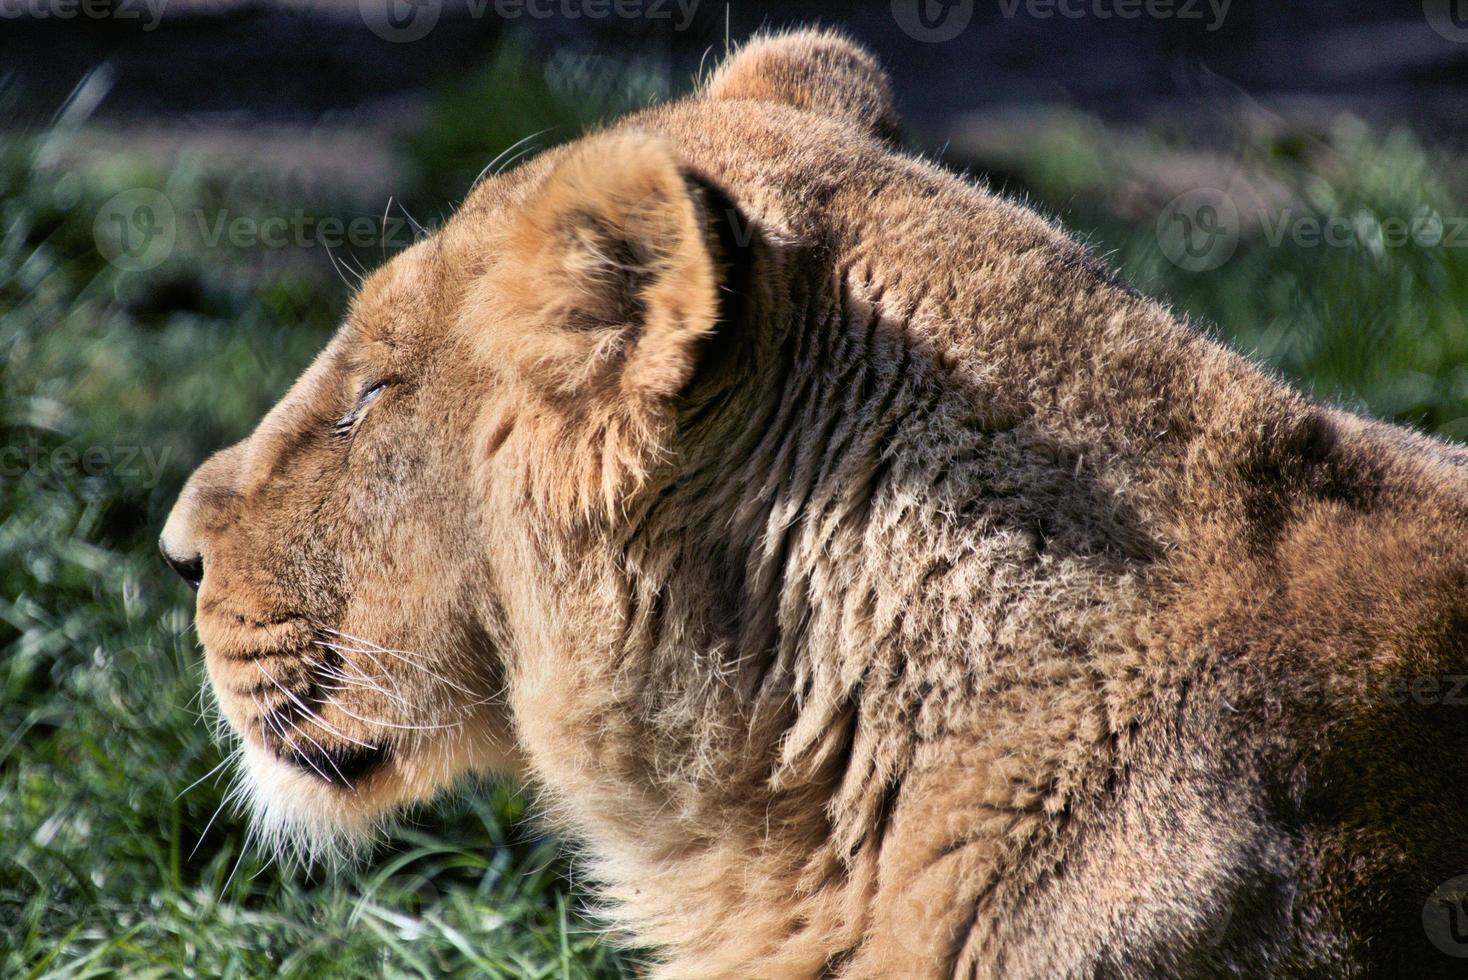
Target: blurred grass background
x=115, y=384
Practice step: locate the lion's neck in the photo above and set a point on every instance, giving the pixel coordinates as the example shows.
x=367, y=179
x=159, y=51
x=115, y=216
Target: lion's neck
x=792, y=632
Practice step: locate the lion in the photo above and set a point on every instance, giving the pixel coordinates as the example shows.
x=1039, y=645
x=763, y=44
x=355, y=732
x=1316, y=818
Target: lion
x=869, y=581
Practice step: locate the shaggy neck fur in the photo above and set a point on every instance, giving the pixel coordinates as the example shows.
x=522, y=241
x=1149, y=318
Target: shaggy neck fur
x=761, y=594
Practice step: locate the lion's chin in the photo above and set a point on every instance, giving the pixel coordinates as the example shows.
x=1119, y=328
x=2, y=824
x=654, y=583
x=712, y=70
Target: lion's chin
x=301, y=816
x=319, y=812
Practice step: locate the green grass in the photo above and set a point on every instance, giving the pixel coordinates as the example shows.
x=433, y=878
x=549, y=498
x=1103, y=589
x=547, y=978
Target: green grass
x=1368, y=322
x=105, y=863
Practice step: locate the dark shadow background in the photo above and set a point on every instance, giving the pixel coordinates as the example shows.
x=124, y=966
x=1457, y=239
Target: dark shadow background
x=258, y=60
x=329, y=90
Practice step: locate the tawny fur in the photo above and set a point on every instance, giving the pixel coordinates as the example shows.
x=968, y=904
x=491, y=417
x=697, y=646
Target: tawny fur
x=872, y=584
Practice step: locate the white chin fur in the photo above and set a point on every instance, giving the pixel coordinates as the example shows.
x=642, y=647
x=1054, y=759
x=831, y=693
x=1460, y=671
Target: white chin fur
x=300, y=818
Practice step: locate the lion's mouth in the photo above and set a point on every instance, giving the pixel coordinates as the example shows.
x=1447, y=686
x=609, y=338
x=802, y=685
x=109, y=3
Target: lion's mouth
x=284, y=737
x=332, y=728
x=330, y=754
x=347, y=765
x=320, y=703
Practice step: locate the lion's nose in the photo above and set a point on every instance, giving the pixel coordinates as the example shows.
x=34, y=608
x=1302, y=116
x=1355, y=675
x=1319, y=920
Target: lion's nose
x=184, y=542
x=191, y=570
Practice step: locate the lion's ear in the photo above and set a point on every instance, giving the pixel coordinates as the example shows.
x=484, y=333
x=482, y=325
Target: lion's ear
x=610, y=279
x=818, y=71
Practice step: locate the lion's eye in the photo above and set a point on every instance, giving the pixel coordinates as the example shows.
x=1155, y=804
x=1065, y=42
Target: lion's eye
x=344, y=425
x=370, y=395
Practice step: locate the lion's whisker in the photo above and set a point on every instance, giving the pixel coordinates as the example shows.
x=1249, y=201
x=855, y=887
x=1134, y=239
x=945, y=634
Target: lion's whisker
x=387, y=724
x=396, y=655
x=347, y=685
x=277, y=725
x=324, y=754
x=213, y=769
x=505, y=153
x=223, y=802
x=330, y=728
x=367, y=683
x=342, y=648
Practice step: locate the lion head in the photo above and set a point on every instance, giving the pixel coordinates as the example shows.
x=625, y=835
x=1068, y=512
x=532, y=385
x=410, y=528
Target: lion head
x=500, y=394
